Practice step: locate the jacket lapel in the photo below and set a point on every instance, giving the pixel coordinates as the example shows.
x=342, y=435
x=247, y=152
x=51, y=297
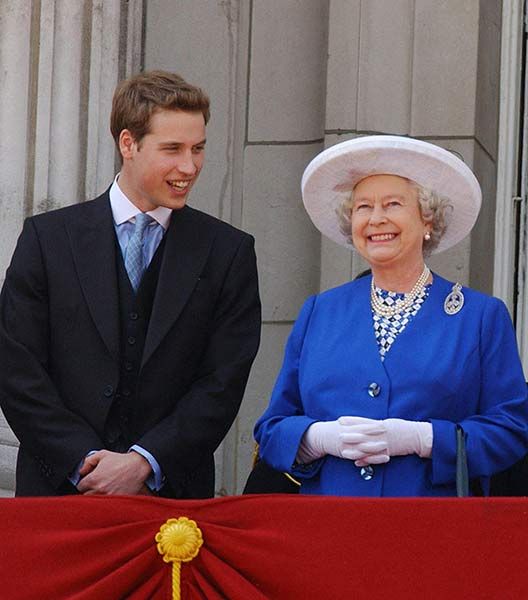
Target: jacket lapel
x=187, y=247
x=94, y=252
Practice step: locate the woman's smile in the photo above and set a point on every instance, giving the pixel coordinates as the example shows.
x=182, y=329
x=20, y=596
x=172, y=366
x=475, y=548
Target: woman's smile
x=382, y=237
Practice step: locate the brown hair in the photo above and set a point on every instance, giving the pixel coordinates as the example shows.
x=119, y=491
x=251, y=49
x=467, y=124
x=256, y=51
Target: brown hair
x=136, y=99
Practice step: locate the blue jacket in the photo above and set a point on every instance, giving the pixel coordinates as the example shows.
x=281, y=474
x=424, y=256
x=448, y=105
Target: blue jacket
x=446, y=369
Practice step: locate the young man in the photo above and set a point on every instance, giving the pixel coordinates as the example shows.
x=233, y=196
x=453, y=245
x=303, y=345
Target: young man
x=128, y=324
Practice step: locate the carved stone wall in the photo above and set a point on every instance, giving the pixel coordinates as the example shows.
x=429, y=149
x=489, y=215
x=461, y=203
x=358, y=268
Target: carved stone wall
x=286, y=78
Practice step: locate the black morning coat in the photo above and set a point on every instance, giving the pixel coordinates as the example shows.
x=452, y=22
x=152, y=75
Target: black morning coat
x=60, y=345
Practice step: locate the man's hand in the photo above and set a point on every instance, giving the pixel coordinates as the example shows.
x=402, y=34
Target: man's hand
x=106, y=472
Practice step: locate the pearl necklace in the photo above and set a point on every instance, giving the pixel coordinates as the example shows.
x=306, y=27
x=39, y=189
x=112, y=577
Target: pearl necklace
x=401, y=304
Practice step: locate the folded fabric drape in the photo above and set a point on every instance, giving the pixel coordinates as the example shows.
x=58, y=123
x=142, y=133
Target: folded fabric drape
x=277, y=547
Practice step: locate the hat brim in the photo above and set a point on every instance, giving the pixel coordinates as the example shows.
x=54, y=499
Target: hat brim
x=331, y=176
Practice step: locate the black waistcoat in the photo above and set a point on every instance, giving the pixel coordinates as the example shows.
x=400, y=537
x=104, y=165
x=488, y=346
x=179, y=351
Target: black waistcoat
x=134, y=315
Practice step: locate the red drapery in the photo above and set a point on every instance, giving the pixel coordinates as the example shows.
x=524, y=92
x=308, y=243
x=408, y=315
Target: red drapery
x=267, y=547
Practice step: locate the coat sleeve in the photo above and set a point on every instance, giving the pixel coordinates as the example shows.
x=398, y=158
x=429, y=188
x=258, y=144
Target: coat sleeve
x=280, y=429
x=498, y=435
x=53, y=434
x=203, y=415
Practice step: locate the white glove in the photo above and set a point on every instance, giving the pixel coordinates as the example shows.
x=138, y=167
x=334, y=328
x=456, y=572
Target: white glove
x=399, y=436
x=348, y=437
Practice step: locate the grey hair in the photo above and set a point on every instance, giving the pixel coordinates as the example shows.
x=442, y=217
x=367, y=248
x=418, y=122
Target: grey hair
x=433, y=207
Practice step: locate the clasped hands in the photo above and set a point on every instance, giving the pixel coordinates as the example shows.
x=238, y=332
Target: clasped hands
x=365, y=441
x=105, y=472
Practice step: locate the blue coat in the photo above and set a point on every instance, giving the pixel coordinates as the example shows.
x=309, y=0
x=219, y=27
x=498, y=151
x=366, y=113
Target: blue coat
x=446, y=369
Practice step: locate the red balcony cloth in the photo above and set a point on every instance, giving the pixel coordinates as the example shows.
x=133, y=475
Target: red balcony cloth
x=267, y=547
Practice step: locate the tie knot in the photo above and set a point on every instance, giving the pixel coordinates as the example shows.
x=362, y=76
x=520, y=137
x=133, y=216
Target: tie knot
x=142, y=220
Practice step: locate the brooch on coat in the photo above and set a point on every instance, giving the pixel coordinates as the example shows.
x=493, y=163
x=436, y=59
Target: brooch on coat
x=454, y=300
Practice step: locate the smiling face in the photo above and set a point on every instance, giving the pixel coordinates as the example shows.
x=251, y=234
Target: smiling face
x=387, y=224
x=161, y=169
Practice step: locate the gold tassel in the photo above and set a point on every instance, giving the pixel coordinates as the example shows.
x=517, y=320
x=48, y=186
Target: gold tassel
x=179, y=540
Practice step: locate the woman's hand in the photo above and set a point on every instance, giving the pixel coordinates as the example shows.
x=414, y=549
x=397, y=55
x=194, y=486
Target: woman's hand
x=400, y=437
x=366, y=441
x=348, y=437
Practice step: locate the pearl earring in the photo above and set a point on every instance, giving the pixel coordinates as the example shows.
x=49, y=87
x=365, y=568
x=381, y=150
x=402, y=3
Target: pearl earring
x=427, y=236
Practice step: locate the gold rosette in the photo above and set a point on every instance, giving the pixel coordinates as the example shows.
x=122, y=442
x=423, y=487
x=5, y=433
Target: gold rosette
x=178, y=540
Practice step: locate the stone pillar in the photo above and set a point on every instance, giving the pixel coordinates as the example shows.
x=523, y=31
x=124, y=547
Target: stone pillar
x=16, y=25
x=285, y=130
x=486, y=142
x=15, y=61
x=59, y=64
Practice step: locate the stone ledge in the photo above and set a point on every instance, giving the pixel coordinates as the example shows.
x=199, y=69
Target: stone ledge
x=7, y=437
x=8, y=455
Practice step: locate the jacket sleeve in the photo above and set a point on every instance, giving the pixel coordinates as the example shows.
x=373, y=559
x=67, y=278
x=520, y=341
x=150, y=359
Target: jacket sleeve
x=203, y=415
x=280, y=429
x=54, y=435
x=498, y=435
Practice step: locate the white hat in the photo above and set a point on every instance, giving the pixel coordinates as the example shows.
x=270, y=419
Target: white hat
x=333, y=174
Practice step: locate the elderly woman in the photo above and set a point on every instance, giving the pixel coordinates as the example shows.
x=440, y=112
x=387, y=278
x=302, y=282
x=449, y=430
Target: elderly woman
x=378, y=372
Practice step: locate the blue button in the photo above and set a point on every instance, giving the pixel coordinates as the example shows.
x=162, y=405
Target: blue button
x=367, y=472
x=374, y=390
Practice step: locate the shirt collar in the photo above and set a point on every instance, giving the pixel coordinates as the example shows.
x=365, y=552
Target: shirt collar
x=124, y=210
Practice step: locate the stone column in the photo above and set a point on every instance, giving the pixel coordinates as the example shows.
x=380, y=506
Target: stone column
x=285, y=130
x=59, y=64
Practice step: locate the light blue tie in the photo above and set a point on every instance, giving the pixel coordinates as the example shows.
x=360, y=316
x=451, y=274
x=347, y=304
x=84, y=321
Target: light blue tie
x=134, y=263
